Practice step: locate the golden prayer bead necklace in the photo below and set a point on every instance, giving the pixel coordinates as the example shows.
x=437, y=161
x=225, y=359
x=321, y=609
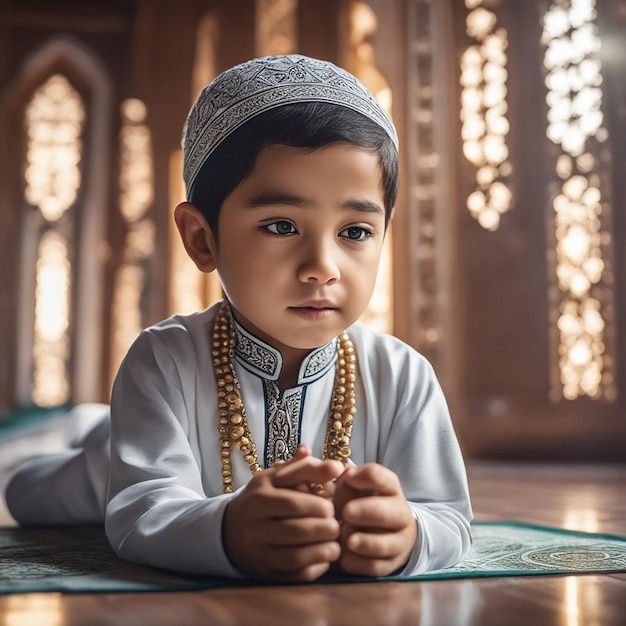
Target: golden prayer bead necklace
x=233, y=426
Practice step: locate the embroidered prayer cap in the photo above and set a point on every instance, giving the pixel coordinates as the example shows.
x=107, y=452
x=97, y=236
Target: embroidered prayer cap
x=244, y=91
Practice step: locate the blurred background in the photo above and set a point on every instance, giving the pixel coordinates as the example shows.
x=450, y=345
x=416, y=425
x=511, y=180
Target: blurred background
x=505, y=263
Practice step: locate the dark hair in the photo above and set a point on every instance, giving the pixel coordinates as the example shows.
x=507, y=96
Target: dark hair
x=300, y=125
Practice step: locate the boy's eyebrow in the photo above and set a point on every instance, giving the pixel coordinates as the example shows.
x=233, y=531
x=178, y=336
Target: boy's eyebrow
x=366, y=206
x=272, y=198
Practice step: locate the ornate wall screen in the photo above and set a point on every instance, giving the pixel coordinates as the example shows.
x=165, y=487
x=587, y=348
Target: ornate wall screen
x=424, y=160
x=53, y=119
x=276, y=27
x=58, y=118
x=579, y=245
x=581, y=264
x=541, y=353
x=136, y=194
x=484, y=114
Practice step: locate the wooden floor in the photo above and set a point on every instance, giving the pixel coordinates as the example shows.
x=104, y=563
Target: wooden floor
x=591, y=499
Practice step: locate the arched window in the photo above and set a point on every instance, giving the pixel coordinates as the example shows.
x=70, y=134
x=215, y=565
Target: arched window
x=61, y=123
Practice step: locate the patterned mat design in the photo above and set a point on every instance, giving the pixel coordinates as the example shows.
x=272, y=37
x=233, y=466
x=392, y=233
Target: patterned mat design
x=515, y=549
x=79, y=560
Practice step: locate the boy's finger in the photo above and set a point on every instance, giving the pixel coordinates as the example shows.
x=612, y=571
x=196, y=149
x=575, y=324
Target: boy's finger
x=291, y=559
x=303, y=564
x=302, y=451
x=374, y=545
x=301, y=531
x=291, y=503
x=306, y=470
x=365, y=566
x=376, y=512
x=372, y=477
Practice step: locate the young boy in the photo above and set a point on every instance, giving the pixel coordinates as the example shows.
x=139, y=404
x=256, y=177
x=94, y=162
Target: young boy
x=271, y=436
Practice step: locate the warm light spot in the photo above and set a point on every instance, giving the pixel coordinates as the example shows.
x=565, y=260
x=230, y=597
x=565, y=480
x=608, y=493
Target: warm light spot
x=385, y=98
x=576, y=244
x=129, y=283
x=583, y=518
x=483, y=113
x=377, y=314
x=572, y=610
x=54, y=120
x=53, y=277
x=276, y=27
x=33, y=609
x=52, y=301
x=480, y=22
x=581, y=514
x=473, y=151
x=592, y=321
x=136, y=170
x=186, y=282
x=486, y=175
x=575, y=123
x=580, y=354
x=136, y=181
x=134, y=111
x=489, y=219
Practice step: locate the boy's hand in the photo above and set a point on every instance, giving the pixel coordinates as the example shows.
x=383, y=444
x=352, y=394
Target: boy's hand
x=378, y=529
x=276, y=529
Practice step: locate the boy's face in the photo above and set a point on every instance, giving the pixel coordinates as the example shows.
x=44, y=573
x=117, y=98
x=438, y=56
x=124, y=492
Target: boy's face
x=299, y=243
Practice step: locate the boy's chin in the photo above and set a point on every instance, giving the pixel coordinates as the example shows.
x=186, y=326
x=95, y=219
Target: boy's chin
x=307, y=343
x=304, y=346
x=299, y=336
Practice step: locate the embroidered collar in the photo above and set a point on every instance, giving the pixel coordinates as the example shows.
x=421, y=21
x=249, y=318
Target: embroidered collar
x=266, y=362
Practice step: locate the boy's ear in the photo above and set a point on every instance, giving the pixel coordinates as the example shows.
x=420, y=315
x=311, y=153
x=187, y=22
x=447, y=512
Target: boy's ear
x=196, y=235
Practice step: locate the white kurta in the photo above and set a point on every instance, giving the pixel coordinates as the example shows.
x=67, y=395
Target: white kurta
x=165, y=502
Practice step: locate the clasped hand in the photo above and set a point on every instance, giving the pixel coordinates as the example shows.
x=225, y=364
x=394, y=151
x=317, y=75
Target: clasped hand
x=279, y=528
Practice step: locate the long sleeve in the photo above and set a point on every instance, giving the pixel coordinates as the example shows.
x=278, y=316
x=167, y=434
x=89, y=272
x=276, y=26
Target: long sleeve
x=439, y=498
x=158, y=510
x=409, y=430
x=67, y=486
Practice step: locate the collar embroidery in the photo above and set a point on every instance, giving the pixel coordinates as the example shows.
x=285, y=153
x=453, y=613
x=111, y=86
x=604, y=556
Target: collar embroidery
x=283, y=419
x=266, y=362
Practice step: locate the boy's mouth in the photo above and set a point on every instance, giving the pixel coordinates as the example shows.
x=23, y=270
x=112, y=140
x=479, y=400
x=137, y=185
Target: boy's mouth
x=316, y=304
x=314, y=310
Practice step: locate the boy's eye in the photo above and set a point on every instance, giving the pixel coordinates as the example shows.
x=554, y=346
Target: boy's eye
x=356, y=233
x=281, y=228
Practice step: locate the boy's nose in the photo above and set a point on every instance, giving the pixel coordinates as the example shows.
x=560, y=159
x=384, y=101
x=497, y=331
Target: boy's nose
x=319, y=264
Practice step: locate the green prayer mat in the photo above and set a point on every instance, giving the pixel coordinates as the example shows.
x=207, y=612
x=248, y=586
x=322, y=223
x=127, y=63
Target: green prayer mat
x=80, y=560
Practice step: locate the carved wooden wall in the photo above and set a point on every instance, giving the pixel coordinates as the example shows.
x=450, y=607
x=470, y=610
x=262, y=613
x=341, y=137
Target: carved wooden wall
x=504, y=263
